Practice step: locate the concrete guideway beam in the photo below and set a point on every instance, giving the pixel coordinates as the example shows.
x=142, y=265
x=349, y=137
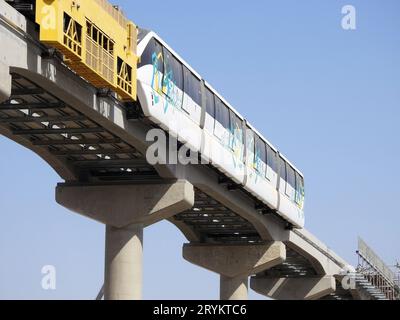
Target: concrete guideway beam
x=304, y=288
x=126, y=210
x=123, y=205
x=5, y=82
x=235, y=263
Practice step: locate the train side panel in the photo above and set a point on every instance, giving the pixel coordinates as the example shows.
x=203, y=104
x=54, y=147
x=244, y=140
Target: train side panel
x=164, y=103
x=257, y=183
x=290, y=211
x=223, y=150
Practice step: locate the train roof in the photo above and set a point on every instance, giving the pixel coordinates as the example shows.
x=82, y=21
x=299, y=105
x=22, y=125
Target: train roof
x=274, y=148
x=209, y=86
x=148, y=34
x=152, y=34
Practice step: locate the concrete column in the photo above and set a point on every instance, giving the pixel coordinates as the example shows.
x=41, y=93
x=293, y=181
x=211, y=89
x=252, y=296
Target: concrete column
x=5, y=82
x=234, y=288
x=235, y=263
x=123, y=263
x=126, y=210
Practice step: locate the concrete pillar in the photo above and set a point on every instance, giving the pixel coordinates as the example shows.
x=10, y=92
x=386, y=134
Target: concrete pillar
x=123, y=263
x=126, y=210
x=302, y=288
x=5, y=82
x=235, y=263
x=234, y=288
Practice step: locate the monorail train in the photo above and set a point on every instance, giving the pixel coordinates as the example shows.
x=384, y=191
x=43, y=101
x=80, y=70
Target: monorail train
x=175, y=97
x=103, y=47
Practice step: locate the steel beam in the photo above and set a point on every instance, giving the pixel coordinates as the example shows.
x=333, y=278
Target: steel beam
x=28, y=119
x=27, y=92
x=93, y=152
x=31, y=106
x=26, y=132
x=76, y=142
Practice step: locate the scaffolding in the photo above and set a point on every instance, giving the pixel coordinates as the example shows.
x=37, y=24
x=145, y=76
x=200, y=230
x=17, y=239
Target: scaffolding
x=376, y=272
x=397, y=280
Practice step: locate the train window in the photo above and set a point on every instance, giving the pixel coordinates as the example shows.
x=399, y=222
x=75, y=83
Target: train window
x=291, y=180
x=192, y=86
x=271, y=159
x=250, y=146
x=153, y=55
x=236, y=135
x=236, y=127
x=173, y=78
x=299, y=188
x=261, y=155
x=301, y=184
x=282, y=175
x=221, y=113
x=210, y=105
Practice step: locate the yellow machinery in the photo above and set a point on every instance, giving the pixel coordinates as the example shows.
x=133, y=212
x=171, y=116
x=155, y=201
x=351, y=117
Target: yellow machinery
x=97, y=40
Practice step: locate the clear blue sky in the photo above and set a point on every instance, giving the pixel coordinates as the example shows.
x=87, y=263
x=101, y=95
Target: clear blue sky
x=327, y=98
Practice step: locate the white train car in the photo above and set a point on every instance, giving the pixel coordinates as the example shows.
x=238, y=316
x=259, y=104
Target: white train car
x=261, y=164
x=223, y=136
x=291, y=192
x=161, y=79
x=174, y=96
